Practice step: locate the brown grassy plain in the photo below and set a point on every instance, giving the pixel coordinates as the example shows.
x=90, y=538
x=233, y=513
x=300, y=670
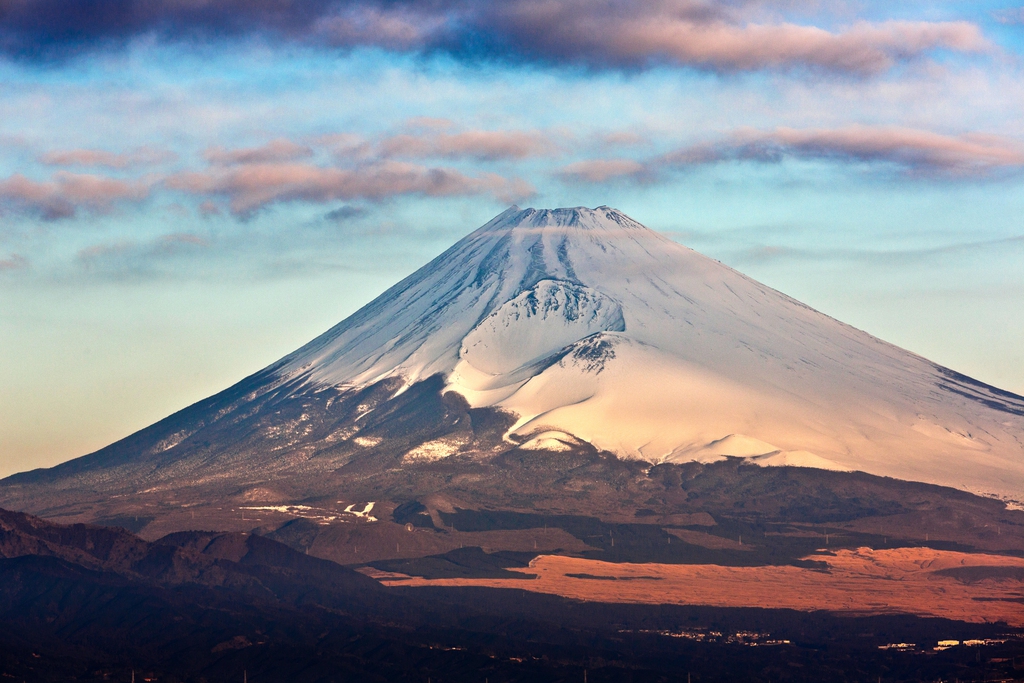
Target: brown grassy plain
x=861, y=581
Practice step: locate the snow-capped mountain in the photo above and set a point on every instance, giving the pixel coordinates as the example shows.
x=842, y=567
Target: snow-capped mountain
x=589, y=326
x=569, y=330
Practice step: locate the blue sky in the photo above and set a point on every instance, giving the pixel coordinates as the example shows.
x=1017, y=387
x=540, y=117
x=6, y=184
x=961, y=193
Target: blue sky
x=190, y=189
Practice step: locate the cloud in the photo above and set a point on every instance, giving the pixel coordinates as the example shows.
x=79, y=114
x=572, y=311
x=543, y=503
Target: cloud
x=347, y=146
x=712, y=34
x=422, y=123
x=139, y=257
x=172, y=242
x=623, y=138
x=1013, y=16
x=344, y=213
x=915, y=153
x=66, y=193
x=13, y=262
x=275, y=150
x=482, y=145
x=249, y=188
x=398, y=28
x=281, y=170
x=141, y=156
x=894, y=257
x=58, y=28
x=162, y=245
x=209, y=208
x=603, y=170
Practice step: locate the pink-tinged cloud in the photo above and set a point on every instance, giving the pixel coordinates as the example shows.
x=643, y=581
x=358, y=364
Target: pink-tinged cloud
x=719, y=35
x=142, y=156
x=13, y=262
x=274, y=151
x=917, y=152
x=251, y=187
x=209, y=208
x=65, y=193
x=708, y=36
x=604, y=170
x=429, y=123
x=179, y=239
x=87, y=255
x=623, y=138
x=396, y=28
x=482, y=145
x=346, y=146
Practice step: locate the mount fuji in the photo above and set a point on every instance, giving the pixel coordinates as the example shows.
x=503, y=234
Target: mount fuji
x=563, y=331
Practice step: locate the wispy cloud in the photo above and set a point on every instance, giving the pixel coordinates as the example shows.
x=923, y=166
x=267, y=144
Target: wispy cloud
x=911, y=151
x=623, y=138
x=895, y=257
x=346, y=146
x=603, y=170
x=274, y=151
x=345, y=213
x=710, y=34
x=67, y=193
x=141, y=156
x=13, y=262
x=136, y=257
x=400, y=26
x=249, y=188
x=323, y=169
x=283, y=170
x=918, y=152
x=482, y=145
x=1013, y=16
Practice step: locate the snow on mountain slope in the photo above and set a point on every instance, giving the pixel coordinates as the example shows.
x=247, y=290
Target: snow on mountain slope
x=585, y=323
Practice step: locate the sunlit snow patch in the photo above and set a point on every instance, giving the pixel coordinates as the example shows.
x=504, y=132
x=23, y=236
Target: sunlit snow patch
x=304, y=511
x=757, y=452
x=364, y=513
x=434, y=450
x=797, y=459
x=732, y=446
x=290, y=509
x=551, y=441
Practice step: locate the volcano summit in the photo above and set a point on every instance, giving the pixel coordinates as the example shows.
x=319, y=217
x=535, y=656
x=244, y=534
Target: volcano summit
x=561, y=331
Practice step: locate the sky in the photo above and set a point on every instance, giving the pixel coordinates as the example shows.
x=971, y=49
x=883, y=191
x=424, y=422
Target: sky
x=191, y=189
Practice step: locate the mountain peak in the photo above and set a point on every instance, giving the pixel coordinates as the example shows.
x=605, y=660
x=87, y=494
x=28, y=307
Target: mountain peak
x=563, y=216
x=577, y=218
x=417, y=328
x=584, y=322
